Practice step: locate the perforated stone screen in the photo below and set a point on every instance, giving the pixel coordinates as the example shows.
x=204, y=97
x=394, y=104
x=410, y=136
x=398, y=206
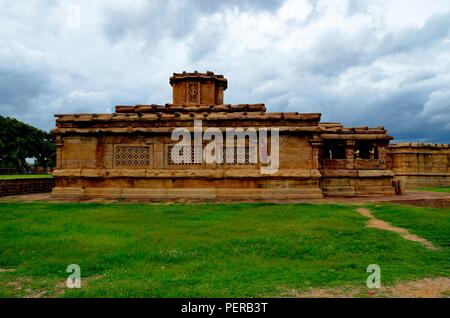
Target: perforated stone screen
x=238, y=156
x=132, y=156
x=194, y=151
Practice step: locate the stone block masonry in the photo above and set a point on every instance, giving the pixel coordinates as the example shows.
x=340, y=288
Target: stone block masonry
x=419, y=165
x=26, y=186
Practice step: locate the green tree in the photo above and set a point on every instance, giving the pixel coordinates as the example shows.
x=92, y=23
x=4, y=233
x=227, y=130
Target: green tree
x=19, y=141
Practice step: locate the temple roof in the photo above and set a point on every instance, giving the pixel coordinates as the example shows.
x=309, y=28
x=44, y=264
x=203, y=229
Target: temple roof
x=135, y=120
x=175, y=117
x=199, y=96
x=336, y=131
x=208, y=76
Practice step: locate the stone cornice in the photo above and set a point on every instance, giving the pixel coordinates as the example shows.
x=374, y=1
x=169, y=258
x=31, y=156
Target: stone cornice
x=356, y=173
x=172, y=108
x=418, y=145
x=208, y=76
x=165, y=130
x=237, y=173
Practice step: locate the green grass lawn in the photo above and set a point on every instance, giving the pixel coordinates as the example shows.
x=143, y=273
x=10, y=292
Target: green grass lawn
x=24, y=176
x=437, y=189
x=223, y=250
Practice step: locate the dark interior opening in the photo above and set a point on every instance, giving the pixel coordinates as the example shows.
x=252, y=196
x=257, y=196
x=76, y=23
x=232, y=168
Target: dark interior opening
x=366, y=150
x=334, y=150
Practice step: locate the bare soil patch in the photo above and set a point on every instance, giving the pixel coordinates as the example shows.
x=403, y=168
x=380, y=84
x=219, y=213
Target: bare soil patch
x=7, y=270
x=425, y=288
x=386, y=226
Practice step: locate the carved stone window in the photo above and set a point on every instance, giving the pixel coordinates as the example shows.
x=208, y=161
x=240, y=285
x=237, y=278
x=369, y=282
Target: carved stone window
x=238, y=156
x=132, y=156
x=195, y=152
x=229, y=155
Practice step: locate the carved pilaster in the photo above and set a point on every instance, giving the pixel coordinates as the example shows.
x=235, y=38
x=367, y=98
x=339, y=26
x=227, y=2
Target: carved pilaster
x=158, y=154
x=382, y=156
x=350, y=154
x=316, y=145
x=59, y=142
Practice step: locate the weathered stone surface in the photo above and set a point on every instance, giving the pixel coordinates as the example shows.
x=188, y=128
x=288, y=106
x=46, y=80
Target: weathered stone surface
x=103, y=192
x=375, y=173
x=26, y=186
x=420, y=165
x=67, y=192
x=143, y=193
x=192, y=193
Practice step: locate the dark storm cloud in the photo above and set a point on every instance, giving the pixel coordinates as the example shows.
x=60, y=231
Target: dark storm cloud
x=22, y=78
x=19, y=87
x=435, y=29
x=400, y=108
x=159, y=18
x=337, y=50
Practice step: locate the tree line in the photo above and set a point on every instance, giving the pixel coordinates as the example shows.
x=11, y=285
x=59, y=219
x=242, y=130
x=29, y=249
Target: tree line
x=20, y=141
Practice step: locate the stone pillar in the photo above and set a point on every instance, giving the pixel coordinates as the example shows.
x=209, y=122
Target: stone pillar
x=382, y=157
x=316, y=145
x=158, y=153
x=99, y=164
x=350, y=154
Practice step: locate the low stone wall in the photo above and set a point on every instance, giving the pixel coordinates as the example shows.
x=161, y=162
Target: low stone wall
x=26, y=186
x=420, y=165
x=350, y=183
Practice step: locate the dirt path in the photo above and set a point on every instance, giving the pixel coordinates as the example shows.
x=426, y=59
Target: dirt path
x=424, y=288
x=383, y=225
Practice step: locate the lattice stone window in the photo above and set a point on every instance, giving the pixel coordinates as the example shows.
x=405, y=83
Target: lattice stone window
x=132, y=156
x=228, y=155
x=238, y=156
x=194, y=152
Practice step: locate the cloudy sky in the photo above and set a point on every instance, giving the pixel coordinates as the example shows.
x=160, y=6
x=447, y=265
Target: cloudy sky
x=359, y=62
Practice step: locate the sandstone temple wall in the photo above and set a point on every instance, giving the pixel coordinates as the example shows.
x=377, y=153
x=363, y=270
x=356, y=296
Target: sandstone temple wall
x=91, y=166
x=420, y=165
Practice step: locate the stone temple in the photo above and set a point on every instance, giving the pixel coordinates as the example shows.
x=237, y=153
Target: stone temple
x=127, y=154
